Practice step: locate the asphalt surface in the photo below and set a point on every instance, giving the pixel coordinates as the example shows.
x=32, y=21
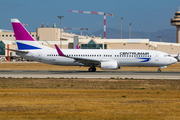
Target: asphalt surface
x=85, y=74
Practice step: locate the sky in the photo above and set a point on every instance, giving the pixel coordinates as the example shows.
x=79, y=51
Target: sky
x=145, y=15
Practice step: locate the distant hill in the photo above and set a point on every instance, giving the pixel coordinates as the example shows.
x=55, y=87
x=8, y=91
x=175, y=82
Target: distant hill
x=168, y=35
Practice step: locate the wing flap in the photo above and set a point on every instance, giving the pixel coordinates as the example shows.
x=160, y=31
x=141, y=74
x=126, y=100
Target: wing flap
x=87, y=61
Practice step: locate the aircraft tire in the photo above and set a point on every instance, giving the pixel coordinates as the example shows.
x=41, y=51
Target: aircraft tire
x=92, y=69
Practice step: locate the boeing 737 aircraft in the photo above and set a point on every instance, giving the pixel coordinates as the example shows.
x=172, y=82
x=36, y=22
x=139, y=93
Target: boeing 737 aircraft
x=107, y=59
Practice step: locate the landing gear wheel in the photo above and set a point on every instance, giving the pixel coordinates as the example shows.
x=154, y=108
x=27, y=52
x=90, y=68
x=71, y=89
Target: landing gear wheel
x=92, y=69
x=159, y=70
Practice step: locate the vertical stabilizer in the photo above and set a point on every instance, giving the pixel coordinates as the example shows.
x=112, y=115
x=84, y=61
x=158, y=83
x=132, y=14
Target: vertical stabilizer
x=23, y=39
x=20, y=32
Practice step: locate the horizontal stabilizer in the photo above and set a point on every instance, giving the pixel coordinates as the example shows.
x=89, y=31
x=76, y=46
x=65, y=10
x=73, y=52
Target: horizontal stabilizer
x=18, y=51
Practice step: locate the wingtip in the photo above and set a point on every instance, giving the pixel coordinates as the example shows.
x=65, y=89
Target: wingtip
x=55, y=46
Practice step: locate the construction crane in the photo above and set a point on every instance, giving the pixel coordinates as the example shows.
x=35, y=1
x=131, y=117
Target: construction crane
x=77, y=29
x=97, y=13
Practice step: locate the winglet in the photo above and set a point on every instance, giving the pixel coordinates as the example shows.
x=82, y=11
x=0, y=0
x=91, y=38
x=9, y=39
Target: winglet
x=77, y=47
x=59, y=51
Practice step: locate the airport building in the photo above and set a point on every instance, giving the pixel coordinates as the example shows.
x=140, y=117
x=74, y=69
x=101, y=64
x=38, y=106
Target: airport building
x=176, y=22
x=49, y=36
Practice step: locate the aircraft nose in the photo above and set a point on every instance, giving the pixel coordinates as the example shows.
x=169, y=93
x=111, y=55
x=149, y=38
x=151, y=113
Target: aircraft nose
x=173, y=60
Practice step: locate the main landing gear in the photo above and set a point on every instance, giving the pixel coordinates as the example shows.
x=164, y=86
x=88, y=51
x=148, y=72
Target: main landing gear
x=159, y=70
x=92, y=69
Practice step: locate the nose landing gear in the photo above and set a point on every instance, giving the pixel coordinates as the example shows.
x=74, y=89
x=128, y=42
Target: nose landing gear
x=159, y=70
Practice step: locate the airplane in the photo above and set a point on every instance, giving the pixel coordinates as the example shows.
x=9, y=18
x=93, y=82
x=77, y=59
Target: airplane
x=108, y=59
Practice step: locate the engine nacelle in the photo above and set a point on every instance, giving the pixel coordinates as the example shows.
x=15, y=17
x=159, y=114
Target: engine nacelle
x=109, y=65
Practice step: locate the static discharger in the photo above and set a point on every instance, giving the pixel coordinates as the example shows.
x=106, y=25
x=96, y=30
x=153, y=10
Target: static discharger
x=97, y=13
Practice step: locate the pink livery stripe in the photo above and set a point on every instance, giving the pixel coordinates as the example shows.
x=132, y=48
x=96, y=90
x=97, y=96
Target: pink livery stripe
x=20, y=32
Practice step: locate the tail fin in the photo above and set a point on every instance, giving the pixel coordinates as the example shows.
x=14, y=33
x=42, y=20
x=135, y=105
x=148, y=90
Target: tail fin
x=20, y=32
x=23, y=39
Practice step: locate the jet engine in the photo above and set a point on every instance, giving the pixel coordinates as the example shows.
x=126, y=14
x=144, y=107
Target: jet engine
x=109, y=65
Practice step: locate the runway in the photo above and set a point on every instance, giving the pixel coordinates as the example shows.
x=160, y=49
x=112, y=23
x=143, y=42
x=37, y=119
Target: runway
x=85, y=74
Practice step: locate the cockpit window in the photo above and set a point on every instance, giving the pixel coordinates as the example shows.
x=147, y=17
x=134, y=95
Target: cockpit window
x=167, y=55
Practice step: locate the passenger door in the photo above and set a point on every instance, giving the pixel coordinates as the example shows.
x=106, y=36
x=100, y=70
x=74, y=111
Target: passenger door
x=39, y=56
x=157, y=57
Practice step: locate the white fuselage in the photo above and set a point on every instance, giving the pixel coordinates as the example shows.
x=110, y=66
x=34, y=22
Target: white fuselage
x=124, y=57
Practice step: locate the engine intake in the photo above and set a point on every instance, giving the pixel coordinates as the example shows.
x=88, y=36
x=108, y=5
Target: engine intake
x=110, y=65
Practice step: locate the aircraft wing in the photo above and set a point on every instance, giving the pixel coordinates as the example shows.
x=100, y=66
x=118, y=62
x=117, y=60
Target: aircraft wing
x=84, y=61
x=87, y=62
x=18, y=51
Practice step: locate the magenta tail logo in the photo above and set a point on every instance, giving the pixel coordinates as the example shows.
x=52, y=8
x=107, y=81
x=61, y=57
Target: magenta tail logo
x=20, y=32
